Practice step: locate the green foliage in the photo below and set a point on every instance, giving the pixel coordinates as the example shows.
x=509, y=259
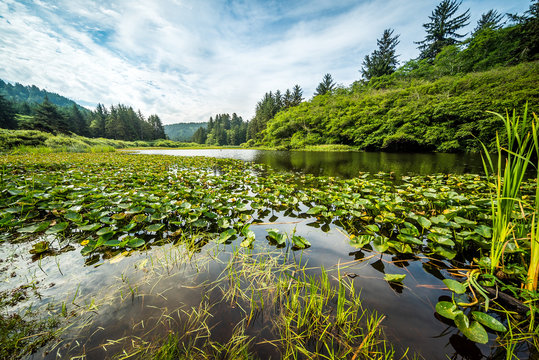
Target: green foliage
x=382, y=61
x=269, y=106
x=184, y=131
x=402, y=113
x=225, y=130
x=7, y=114
x=442, y=28
x=327, y=85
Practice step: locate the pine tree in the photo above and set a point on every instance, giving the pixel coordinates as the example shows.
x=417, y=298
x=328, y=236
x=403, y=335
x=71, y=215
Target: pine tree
x=489, y=20
x=382, y=61
x=442, y=29
x=7, y=114
x=48, y=118
x=326, y=86
x=297, y=95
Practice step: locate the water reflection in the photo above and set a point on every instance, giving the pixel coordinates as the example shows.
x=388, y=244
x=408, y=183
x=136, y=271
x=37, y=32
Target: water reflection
x=344, y=164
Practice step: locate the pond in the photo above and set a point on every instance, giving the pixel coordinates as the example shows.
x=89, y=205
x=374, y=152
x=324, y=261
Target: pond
x=141, y=246
x=344, y=164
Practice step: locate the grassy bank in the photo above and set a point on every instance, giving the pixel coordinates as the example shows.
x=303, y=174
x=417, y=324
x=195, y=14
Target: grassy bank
x=33, y=141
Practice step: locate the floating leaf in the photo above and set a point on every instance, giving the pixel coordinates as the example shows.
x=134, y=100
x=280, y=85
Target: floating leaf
x=225, y=235
x=57, y=228
x=154, y=227
x=135, y=243
x=40, y=247
x=276, y=236
x=488, y=321
x=396, y=278
x=104, y=231
x=447, y=309
x=484, y=231
x=90, y=227
x=223, y=223
x=424, y=222
x=300, y=242
x=119, y=216
x=73, y=216
x=316, y=210
x=475, y=332
x=35, y=228
x=455, y=286
x=372, y=228
x=139, y=218
x=380, y=244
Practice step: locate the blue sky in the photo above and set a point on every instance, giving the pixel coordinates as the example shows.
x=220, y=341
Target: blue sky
x=186, y=60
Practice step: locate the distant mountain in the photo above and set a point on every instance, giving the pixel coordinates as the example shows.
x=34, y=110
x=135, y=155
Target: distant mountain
x=31, y=94
x=183, y=131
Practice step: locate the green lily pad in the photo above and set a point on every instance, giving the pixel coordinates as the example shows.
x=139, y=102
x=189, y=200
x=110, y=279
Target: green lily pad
x=225, y=235
x=90, y=227
x=475, y=332
x=300, y=242
x=154, y=227
x=316, y=210
x=484, y=231
x=380, y=244
x=424, y=222
x=35, y=228
x=135, y=243
x=455, y=286
x=57, y=228
x=488, y=321
x=396, y=278
x=447, y=309
x=73, y=216
x=104, y=231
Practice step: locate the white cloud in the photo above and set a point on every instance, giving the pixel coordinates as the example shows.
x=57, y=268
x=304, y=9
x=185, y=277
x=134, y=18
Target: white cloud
x=186, y=60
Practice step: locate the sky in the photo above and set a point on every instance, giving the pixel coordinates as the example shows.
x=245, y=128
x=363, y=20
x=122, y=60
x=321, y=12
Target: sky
x=187, y=60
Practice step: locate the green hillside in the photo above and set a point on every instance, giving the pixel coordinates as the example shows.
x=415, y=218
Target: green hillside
x=400, y=113
x=31, y=94
x=183, y=131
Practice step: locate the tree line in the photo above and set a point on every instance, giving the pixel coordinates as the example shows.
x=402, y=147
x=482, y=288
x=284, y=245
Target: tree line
x=223, y=130
x=119, y=122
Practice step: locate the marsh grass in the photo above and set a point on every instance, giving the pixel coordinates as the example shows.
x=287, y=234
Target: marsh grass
x=506, y=193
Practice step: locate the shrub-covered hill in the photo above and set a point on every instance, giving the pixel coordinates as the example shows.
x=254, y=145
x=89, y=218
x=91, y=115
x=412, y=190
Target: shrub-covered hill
x=399, y=113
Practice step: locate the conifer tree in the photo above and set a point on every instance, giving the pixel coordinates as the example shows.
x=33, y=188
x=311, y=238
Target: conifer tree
x=442, y=29
x=326, y=86
x=7, y=114
x=382, y=61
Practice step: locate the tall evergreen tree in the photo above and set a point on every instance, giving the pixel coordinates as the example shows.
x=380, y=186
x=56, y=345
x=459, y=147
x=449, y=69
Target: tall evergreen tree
x=442, y=29
x=489, y=20
x=297, y=95
x=7, y=114
x=77, y=124
x=382, y=61
x=157, y=126
x=326, y=86
x=48, y=118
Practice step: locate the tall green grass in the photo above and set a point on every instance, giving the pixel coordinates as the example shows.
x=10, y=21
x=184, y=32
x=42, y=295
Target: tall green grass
x=507, y=179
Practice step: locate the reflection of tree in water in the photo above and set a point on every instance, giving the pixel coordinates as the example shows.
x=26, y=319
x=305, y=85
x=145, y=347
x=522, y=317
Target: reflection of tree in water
x=350, y=164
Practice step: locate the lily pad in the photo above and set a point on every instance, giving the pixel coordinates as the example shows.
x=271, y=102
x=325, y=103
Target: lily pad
x=455, y=286
x=154, y=227
x=135, y=242
x=396, y=278
x=57, y=228
x=447, y=309
x=488, y=321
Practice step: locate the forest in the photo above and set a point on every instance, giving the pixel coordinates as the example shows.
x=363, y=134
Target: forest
x=30, y=108
x=437, y=102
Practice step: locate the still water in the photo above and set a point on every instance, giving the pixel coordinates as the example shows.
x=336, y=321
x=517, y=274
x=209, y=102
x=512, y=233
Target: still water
x=344, y=164
x=126, y=298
